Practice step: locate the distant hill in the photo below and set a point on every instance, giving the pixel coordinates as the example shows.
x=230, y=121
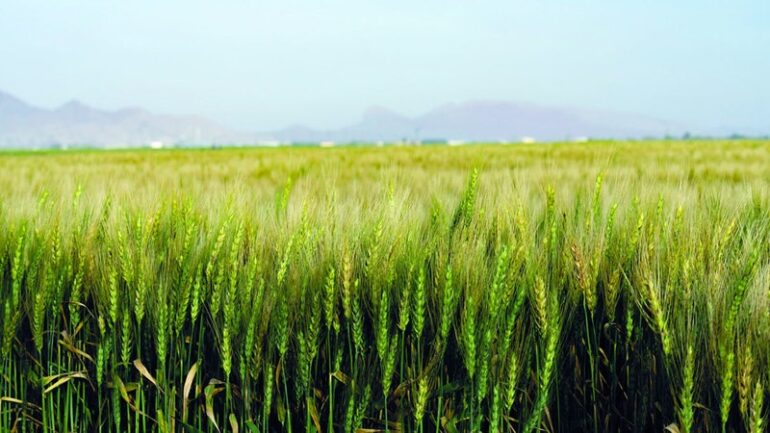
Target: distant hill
x=75, y=124
x=492, y=121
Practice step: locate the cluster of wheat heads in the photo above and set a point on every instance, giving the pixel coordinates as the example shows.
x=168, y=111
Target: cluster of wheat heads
x=594, y=312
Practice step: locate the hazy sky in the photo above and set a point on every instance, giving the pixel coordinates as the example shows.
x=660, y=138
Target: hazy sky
x=264, y=64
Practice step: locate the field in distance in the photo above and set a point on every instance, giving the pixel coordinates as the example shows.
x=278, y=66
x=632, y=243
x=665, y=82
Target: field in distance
x=416, y=176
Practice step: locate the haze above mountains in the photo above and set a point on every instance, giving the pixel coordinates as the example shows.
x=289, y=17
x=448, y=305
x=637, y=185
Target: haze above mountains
x=76, y=124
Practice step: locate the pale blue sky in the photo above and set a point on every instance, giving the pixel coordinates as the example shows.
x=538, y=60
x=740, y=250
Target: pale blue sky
x=261, y=65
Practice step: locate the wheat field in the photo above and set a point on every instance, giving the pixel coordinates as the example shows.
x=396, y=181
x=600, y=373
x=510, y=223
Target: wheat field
x=598, y=287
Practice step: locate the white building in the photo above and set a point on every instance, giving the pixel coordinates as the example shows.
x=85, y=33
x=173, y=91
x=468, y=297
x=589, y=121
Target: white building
x=269, y=143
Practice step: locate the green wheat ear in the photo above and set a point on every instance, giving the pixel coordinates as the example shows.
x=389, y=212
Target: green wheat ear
x=757, y=406
x=469, y=336
x=330, y=298
x=686, y=403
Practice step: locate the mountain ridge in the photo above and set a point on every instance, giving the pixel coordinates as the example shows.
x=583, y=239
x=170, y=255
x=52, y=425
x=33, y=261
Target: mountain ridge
x=76, y=123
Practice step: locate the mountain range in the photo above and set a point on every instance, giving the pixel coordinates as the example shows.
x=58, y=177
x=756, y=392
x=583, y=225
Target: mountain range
x=75, y=124
x=488, y=121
